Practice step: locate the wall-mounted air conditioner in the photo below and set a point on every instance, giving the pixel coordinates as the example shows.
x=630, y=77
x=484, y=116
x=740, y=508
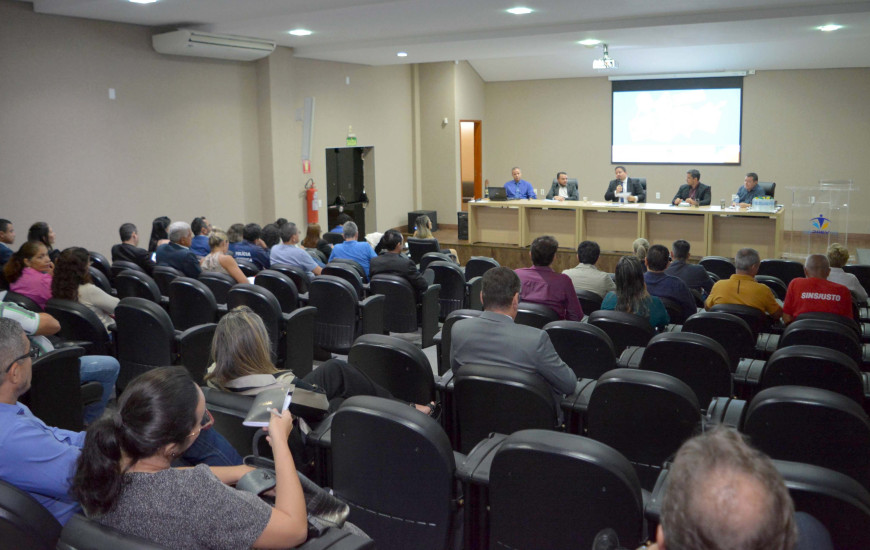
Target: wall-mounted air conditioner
x=200, y=44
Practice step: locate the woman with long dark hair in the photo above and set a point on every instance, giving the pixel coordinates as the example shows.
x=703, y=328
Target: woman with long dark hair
x=124, y=478
x=72, y=281
x=159, y=235
x=631, y=295
x=28, y=272
x=42, y=232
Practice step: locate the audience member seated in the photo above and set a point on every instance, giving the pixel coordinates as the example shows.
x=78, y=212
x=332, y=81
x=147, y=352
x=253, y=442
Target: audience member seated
x=7, y=237
x=159, y=234
x=201, y=229
x=494, y=339
x=631, y=295
x=722, y=494
x=219, y=259
x=176, y=253
x=741, y=288
x=313, y=240
x=124, y=479
x=542, y=285
x=290, y=254
x=72, y=281
x=695, y=276
x=28, y=272
x=392, y=261
x=271, y=235
x=279, y=223
x=252, y=247
x=42, y=232
x=423, y=230
x=352, y=249
x=816, y=293
x=242, y=364
x=341, y=220
x=838, y=256
x=92, y=368
x=234, y=233
x=586, y=276
x=129, y=251
x=662, y=285
x=641, y=247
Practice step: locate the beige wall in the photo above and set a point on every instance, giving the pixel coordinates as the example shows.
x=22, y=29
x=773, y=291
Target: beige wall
x=439, y=163
x=798, y=127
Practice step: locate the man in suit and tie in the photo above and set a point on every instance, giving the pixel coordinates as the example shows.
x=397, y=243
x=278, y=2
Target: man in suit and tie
x=623, y=183
x=563, y=189
x=494, y=338
x=392, y=261
x=176, y=253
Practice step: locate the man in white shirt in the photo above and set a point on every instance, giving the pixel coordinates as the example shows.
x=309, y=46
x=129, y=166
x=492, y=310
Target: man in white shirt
x=586, y=276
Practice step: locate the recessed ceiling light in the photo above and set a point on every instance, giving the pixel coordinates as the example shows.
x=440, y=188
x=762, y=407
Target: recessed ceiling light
x=299, y=32
x=829, y=28
x=589, y=42
x=142, y=1
x=402, y=54
x=519, y=11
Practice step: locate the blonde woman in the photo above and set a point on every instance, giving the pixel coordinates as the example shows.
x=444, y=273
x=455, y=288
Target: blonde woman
x=838, y=256
x=424, y=231
x=641, y=247
x=219, y=259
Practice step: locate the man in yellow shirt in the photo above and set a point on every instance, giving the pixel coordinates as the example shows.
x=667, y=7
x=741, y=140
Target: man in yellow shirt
x=742, y=288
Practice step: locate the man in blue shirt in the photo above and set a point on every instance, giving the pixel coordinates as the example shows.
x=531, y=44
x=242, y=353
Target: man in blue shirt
x=7, y=237
x=519, y=188
x=199, y=245
x=42, y=460
x=290, y=254
x=749, y=190
x=662, y=285
x=359, y=251
x=250, y=247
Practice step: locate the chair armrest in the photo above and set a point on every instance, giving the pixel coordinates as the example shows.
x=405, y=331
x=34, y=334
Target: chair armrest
x=372, y=314
x=321, y=436
x=472, y=293
x=303, y=298
x=194, y=349
x=430, y=308
x=652, y=509
x=746, y=377
x=726, y=411
x=575, y=406
x=299, y=351
x=766, y=344
x=72, y=343
x=444, y=383
x=475, y=469
x=631, y=357
x=91, y=392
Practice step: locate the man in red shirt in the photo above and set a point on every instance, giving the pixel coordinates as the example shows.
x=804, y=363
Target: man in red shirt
x=542, y=285
x=815, y=293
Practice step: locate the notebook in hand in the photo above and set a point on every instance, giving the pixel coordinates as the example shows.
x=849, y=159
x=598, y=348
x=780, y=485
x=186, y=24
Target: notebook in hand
x=312, y=406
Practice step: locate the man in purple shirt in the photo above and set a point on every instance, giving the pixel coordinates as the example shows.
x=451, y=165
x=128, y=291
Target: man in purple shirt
x=518, y=188
x=542, y=285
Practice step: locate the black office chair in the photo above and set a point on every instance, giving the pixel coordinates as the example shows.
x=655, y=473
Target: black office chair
x=137, y=284
x=349, y=274
x=121, y=265
x=826, y=334
x=249, y=268
x=219, y=284
x=430, y=257
x=769, y=188
x=24, y=523
x=78, y=323
x=644, y=415
x=535, y=315
x=732, y=333
x=101, y=263
x=396, y=365
x=757, y=320
x=624, y=329
x=80, y=533
x=418, y=247
x=402, y=313
x=814, y=367
x=785, y=270
x=145, y=338
x=589, y=301
x=22, y=300
x=317, y=255
x=478, y=265
x=333, y=238
x=194, y=350
x=191, y=303
x=341, y=317
x=229, y=410
x=674, y=309
x=585, y=348
x=163, y=275
x=443, y=339
x=296, y=274
x=455, y=292
x=719, y=265
x=862, y=272
x=352, y=264
x=775, y=284
x=101, y=280
x=281, y=286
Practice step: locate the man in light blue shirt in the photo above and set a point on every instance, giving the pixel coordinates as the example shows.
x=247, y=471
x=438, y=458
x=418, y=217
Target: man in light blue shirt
x=290, y=254
x=749, y=190
x=351, y=249
x=519, y=188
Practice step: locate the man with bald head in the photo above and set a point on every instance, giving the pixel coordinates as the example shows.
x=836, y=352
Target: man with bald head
x=816, y=293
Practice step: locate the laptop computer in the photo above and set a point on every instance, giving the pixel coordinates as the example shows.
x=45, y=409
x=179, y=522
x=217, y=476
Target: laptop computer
x=497, y=193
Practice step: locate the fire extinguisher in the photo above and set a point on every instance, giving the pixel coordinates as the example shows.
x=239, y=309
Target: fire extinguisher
x=312, y=201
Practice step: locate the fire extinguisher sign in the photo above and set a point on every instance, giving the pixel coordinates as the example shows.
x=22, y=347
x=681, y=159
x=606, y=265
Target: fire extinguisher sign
x=306, y=166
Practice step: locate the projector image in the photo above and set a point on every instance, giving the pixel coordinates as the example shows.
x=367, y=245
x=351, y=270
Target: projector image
x=605, y=63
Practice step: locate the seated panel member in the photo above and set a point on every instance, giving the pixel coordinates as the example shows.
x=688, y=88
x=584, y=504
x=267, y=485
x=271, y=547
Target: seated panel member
x=518, y=188
x=749, y=190
x=563, y=189
x=693, y=191
x=625, y=183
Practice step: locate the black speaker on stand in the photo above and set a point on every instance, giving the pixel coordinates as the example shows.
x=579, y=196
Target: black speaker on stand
x=462, y=233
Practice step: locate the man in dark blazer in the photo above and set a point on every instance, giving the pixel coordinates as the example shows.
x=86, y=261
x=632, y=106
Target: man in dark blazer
x=129, y=251
x=694, y=275
x=176, y=253
x=392, y=261
x=693, y=191
x=625, y=183
x=570, y=188
x=494, y=338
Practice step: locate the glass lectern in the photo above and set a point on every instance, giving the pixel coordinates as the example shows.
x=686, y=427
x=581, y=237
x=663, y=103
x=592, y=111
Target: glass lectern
x=819, y=216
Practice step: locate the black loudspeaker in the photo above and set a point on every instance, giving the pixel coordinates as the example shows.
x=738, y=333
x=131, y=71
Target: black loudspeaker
x=462, y=233
x=412, y=217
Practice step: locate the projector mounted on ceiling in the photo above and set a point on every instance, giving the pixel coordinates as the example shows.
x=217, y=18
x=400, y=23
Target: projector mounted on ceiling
x=605, y=62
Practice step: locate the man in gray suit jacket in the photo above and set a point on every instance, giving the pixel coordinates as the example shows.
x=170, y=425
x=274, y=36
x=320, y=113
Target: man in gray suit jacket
x=563, y=189
x=494, y=338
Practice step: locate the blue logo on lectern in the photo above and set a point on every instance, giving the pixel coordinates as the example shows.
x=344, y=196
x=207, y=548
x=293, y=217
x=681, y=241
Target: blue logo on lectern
x=820, y=224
